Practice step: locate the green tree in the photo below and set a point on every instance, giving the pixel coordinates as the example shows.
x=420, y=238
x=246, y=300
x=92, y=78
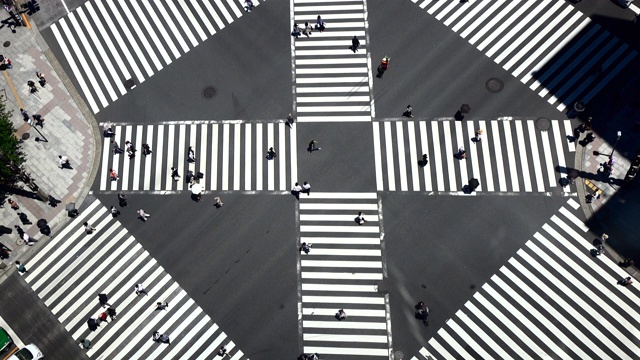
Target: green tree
x=11, y=156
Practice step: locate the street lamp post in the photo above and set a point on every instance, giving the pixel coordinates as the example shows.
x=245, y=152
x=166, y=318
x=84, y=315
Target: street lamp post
x=37, y=138
x=616, y=143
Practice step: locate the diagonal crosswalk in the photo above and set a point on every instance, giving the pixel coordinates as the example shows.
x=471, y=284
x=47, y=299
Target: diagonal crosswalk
x=98, y=42
x=73, y=267
x=551, y=300
x=231, y=155
x=343, y=270
x=332, y=82
x=513, y=155
x=549, y=46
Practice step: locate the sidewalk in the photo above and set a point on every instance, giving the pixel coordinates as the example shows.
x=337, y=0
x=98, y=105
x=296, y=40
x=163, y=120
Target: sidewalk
x=617, y=210
x=69, y=128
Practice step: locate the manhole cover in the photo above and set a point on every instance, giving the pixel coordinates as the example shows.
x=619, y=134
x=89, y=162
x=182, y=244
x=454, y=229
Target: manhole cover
x=579, y=106
x=129, y=84
x=494, y=85
x=26, y=136
x=6, y=43
x=209, y=92
x=398, y=355
x=543, y=124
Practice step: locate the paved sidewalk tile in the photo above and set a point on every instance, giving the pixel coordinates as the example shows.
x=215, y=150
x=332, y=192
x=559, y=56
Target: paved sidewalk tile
x=67, y=131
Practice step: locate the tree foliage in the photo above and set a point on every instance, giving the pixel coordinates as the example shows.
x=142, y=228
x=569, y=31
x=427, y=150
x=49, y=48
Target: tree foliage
x=11, y=156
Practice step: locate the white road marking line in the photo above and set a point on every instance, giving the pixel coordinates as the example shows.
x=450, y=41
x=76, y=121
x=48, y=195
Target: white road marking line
x=237, y=128
x=437, y=156
x=495, y=126
x=158, y=155
x=486, y=155
x=448, y=147
x=511, y=156
x=259, y=157
x=271, y=163
x=225, y=156
x=533, y=144
x=546, y=150
x=247, y=157
x=425, y=150
x=388, y=142
x=522, y=149
x=401, y=156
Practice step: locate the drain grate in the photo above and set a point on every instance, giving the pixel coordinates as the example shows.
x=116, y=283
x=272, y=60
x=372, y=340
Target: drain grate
x=209, y=92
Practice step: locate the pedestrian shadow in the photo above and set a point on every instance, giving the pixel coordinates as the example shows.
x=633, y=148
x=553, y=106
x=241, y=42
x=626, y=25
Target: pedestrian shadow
x=575, y=173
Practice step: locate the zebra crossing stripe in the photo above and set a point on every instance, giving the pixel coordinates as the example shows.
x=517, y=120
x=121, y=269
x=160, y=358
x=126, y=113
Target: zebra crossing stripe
x=462, y=165
x=487, y=159
x=454, y=344
x=448, y=150
x=401, y=155
x=511, y=156
x=464, y=318
x=486, y=321
x=523, y=156
x=473, y=152
x=502, y=181
x=537, y=167
x=343, y=299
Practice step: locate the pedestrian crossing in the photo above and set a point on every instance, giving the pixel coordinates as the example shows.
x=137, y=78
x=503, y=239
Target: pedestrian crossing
x=332, y=83
x=549, y=46
x=97, y=40
x=343, y=270
x=73, y=267
x=513, y=155
x=231, y=155
x=551, y=300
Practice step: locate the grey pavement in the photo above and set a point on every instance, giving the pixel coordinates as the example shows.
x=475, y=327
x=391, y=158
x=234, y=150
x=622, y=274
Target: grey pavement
x=68, y=128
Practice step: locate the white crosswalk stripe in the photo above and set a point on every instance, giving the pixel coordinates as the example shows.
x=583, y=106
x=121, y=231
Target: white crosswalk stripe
x=536, y=41
x=507, y=155
x=229, y=155
x=342, y=271
x=67, y=274
x=332, y=83
x=101, y=39
x=552, y=299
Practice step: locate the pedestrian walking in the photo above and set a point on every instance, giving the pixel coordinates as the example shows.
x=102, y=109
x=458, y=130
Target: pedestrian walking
x=107, y=131
x=248, y=6
x=271, y=154
x=64, y=162
x=422, y=312
x=122, y=200
x=222, y=352
x=478, y=137
x=360, y=218
x=113, y=174
x=41, y=78
x=139, y=288
x=174, y=174
x=4, y=252
x=589, y=198
x=21, y=268
x=116, y=148
x=103, y=299
x=111, y=311
x=19, y=230
x=354, y=44
x=588, y=139
x=131, y=150
x=28, y=239
x=32, y=87
x=88, y=228
x=217, y=202
x=626, y=281
x=306, y=247
x=143, y=215
x=103, y=317
x=313, y=146
x=93, y=324
x=161, y=338
x=25, y=114
x=85, y=344
x=24, y=218
x=295, y=191
x=627, y=262
x=306, y=188
x=146, y=149
x=603, y=238
x=320, y=24
x=7, y=63
x=407, y=112
x=38, y=120
x=296, y=31
x=307, y=29
x=14, y=205
x=462, y=153
x=114, y=211
x=162, y=305
x=424, y=161
x=191, y=157
x=341, y=315
x=290, y=120
x=587, y=124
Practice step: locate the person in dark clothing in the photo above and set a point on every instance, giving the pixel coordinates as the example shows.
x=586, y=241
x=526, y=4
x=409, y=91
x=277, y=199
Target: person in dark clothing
x=103, y=298
x=354, y=44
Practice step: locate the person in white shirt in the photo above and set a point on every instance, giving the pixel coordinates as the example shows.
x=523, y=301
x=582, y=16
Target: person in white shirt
x=64, y=162
x=143, y=215
x=306, y=188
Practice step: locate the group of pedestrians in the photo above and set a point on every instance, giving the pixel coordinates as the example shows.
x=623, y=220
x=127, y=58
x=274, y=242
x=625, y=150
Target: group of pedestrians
x=308, y=28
